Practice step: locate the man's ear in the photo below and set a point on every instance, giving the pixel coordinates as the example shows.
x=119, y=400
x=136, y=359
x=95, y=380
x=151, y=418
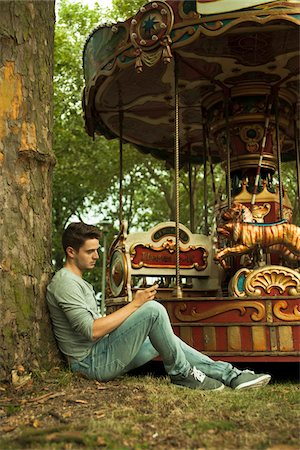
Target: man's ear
x=70, y=251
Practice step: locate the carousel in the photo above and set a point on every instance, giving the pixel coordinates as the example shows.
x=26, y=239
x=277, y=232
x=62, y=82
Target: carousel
x=201, y=83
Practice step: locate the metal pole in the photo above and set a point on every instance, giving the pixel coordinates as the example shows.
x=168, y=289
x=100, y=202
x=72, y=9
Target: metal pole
x=296, y=131
x=176, y=165
x=104, y=231
x=279, y=157
x=213, y=184
x=121, y=166
x=192, y=208
x=228, y=175
x=262, y=150
x=205, y=194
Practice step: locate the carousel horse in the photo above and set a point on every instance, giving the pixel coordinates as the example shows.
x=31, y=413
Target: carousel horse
x=280, y=237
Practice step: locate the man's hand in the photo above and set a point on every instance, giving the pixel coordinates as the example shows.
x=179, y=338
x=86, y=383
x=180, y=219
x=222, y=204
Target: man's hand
x=105, y=325
x=145, y=295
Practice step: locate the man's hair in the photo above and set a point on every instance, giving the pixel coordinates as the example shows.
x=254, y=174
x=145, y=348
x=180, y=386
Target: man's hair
x=77, y=233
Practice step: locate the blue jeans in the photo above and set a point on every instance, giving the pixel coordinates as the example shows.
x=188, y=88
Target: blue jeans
x=144, y=335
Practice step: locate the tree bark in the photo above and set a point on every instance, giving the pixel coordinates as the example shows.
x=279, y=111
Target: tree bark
x=26, y=162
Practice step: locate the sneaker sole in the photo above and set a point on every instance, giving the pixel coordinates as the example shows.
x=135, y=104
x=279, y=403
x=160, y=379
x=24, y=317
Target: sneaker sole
x=257, y=383
x=220, y=388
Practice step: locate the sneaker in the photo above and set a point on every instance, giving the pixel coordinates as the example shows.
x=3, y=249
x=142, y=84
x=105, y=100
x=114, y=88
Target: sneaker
x=197, y=380
x=248, y=379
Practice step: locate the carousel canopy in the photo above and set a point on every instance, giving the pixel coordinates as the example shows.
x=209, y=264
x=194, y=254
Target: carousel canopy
x=246, y=57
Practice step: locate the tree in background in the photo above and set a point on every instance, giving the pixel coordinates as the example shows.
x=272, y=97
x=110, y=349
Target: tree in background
x=26, y=162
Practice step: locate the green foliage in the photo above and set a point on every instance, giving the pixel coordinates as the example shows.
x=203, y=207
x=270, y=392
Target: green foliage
x=123, y=9
x=289, y=174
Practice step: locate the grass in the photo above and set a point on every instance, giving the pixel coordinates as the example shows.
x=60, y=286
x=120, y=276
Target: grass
x=148, y=412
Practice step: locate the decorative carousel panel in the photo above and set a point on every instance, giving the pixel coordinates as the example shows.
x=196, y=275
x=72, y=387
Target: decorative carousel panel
x=266, y=281
x=240, y=330
x=154, y=252
x=247, y=311
x=221, y=6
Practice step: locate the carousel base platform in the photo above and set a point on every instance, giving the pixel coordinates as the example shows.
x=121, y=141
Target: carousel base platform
x=251, y=329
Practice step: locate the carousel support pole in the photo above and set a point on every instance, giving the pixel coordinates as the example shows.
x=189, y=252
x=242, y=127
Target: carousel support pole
x=213, y=184
x=262, y=150
x=104, y=226
x=192, y=206
x=228, y=178
x=121, y=166
x=297, y=148
x=279, y=157
x=205, y=175
x=176, y=165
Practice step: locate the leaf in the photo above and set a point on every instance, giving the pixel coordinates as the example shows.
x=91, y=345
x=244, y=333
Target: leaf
x=99, y=414
x=100, y=441
x=19, y=378
x=36, y=423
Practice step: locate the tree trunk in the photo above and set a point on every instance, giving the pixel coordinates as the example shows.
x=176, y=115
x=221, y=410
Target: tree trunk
x=26, y=162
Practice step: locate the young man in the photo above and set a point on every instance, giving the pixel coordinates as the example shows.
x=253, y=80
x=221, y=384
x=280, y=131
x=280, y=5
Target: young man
x=103, y=348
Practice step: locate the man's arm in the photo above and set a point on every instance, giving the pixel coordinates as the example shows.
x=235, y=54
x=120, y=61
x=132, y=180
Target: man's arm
x=105, y=325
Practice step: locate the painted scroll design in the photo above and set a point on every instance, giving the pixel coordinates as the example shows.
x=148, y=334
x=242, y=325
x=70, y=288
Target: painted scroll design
x=282, y=304
x=230, y=306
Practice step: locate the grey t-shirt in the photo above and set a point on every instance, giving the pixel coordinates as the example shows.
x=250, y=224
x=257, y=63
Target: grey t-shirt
x=73, y=309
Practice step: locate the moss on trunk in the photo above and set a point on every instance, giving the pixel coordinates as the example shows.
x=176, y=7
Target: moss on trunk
x=26, y=162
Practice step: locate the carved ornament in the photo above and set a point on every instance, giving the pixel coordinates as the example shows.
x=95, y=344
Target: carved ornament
x=282, y=304
x=267, y=280
x=194, y=316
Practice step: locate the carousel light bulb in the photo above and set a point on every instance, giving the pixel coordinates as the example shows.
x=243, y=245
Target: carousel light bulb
x=154, y=37
x=142, y=9
x=114, y=29
x=133, y=22
x=163, y=25
x=154, y=5
x=133, y=35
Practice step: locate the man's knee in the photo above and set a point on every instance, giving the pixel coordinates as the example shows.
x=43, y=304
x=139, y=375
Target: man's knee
x=155, y=308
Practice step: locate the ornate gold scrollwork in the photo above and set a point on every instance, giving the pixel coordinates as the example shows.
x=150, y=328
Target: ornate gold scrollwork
x=282, y=304
x=263, y=280
x=230, y=306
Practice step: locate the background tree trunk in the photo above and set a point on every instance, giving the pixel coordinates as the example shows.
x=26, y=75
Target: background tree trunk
x=26, y=162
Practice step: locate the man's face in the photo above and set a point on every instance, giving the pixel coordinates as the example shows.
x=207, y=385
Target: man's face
x=87, y=255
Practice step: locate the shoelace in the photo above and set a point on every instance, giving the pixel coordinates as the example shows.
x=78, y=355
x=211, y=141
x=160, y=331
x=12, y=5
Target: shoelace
x=197, y=374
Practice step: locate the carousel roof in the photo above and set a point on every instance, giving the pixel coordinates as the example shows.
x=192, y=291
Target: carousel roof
x=218, y=53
